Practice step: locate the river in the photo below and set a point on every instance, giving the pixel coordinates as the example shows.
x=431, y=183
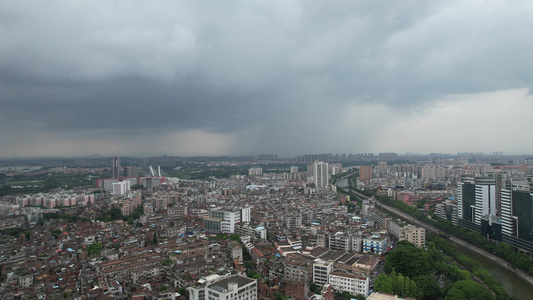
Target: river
x=512, y=283
x=343, y=183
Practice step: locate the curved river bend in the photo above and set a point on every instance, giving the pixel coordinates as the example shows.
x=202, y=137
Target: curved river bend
x=512, y=283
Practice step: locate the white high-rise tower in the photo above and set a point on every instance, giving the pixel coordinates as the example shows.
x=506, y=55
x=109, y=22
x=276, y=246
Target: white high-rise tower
x=319, y=171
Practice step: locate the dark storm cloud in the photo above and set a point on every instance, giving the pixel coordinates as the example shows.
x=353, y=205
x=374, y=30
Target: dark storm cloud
x=286, y=71
x=135, y=103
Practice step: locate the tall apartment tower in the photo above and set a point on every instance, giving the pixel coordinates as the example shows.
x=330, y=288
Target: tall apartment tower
x=476, y=198
x=319, y=171
x=517, y=209
x=115, y=167
x=499, y=208
x=131, y=172
x=382, y=167
x=485, y=198
x=365, y=172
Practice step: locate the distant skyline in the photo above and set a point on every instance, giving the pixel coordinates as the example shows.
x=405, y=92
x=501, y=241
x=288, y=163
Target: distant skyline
x=376, y=155
x=187, y=78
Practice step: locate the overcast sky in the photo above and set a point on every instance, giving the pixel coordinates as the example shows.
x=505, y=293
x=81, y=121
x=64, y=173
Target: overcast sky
x=250, y=77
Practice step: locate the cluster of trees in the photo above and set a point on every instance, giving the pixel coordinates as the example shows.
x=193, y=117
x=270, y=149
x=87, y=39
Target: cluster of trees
x=420, y=203
x=57, y=216
x=137, y=213
x=249, y=263
x=112, y=214
x=16, y=232
x=44, y=182
x=336, y=177
x=313, y=287
x=410, y=272
x=95, y=248
x=154, y=240
x=137, y=187
x=200, y=171
x=396, y=284
x=468, y=289
x=279, y=296
x=56, y=233
x=411, y=210
x=351, y=177
x=429, y=274
x=115, y=213
x=252, y=273
x=366, y=192
x=502, y=250
x=6, y=190
x=470, y=264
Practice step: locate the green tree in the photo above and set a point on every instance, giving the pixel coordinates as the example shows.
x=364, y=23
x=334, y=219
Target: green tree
x=468, y=289
x=396, y=284
x=17, y=231
x=348, y=296
x=250, y=272
x=410, y=288
x=248, y=264
x=68, y=218
x=402, y=285
x=222, y=236
x=56, y=232
x=314, y=288
x=235, y=237
x=137, y=187
x=383, y=283
x=408, y=260
x=257, y=276
x=137, y=212
x=428, y=288
x=166, y=262
x=95, y=248
x=280, y=297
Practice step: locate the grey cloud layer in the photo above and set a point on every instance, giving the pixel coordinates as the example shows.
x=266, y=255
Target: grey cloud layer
x=223, y=66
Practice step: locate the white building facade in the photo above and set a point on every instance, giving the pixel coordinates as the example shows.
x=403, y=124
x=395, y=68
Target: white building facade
x=232, y=288
x=355, y=285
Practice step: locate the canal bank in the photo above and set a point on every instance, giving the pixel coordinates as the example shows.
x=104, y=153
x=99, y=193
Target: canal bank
x=514, y=281
x=514, y=284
